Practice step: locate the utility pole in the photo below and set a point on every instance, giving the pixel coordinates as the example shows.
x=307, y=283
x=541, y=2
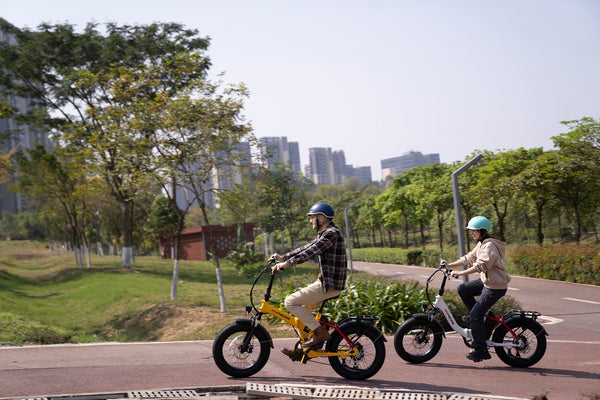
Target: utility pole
x=348, y=238
x=457, y=209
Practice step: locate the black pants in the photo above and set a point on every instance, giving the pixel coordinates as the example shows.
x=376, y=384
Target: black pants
x=487, y=298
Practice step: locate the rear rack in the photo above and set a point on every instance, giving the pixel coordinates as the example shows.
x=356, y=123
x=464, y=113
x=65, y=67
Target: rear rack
x=524, y=314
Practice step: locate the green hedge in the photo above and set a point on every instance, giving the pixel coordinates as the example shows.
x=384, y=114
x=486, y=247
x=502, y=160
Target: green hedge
x=561, y=262
x=397, y=256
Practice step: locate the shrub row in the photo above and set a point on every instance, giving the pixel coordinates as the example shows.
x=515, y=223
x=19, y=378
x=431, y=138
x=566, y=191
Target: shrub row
x=561, y=262
x=397, y=256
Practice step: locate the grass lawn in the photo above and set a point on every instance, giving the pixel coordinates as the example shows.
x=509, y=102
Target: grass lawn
x=46, y=298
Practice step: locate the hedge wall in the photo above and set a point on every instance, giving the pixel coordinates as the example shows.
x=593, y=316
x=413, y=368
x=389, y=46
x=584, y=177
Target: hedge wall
x=561, y=262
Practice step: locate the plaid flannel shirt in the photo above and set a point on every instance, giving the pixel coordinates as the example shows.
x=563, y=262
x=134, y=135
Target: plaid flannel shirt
x=329, y=246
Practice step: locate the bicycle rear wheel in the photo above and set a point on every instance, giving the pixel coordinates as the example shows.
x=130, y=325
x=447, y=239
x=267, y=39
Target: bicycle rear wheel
x=532, y=338
x=369, y=342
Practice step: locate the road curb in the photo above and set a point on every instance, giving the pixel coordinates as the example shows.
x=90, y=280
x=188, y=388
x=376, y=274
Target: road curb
x=253, y=390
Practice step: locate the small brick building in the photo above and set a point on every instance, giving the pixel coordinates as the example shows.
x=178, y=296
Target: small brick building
x=195, y=241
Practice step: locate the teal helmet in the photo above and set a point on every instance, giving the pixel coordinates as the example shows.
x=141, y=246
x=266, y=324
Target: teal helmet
x=321, y=208
x=479, y=222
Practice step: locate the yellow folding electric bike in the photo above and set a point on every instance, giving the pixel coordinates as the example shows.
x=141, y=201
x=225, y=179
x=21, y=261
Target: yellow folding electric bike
x=355, y=347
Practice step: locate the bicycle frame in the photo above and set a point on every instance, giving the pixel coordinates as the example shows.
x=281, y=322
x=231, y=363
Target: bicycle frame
x=301, y=329
x=441, y=305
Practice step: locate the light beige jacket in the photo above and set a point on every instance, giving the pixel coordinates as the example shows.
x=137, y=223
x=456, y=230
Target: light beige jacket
x=487, y=257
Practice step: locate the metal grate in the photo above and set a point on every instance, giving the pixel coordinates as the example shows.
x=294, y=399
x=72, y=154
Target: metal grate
x=163, y=394
x=412, y=396
x=34, y=398
x=296, y=392
x=345, y=393
x=324, y=392
x=478, y=397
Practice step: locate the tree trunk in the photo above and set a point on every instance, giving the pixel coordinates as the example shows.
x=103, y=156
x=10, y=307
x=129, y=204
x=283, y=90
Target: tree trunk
x=540, y=233
x=127, y=224
x=441, y=233
x=175, y=279
x=215, y=257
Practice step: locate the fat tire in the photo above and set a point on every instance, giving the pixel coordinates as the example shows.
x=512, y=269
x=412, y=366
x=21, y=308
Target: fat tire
x=531, y=332
x=411, y=344
x=231, y=359
x=371, y=351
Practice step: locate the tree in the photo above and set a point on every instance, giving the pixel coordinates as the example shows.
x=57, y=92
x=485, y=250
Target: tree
x=496, y=183
x=5, y=166
x=576, y=170
x=436, y=193
x=163, y=218
x=198, y=133
x=85, y=85
x=282, y=200
x=396, y=206
x=57, y=185
x=533, y=185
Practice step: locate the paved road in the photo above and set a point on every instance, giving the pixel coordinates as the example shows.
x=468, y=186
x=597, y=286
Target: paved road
x=570, y=369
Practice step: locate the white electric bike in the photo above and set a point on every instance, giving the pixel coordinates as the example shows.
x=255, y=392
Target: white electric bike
x=517, y=338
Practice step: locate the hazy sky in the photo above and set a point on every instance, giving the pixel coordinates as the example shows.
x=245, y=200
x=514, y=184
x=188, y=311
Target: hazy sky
x=380, y=78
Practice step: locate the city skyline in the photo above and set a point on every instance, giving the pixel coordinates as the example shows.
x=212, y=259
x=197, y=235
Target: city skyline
x=378, y=79
x=327, y=166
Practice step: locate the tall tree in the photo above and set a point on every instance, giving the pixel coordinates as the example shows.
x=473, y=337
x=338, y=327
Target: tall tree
x=201, y=134
x=435, y=183
x=73, y=75
x=283, y=197
x=496, y=183
x=58, y=187
x=533, y=186
x=396, y=206
x=576, y=168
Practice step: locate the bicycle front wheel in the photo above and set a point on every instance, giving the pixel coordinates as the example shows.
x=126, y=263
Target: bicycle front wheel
x=418, y=340
x=240, y=352
x=370, y=345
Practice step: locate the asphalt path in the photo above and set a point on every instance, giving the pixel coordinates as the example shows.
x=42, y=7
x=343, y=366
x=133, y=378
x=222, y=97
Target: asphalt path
x=569, y=370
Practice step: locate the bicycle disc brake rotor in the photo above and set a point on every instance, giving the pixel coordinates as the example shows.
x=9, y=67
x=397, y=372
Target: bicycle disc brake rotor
x=238, y=350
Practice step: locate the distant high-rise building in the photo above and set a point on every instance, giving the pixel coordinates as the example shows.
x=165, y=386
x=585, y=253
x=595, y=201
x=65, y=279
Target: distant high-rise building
x=278, y=149
x=22, y=136
x=221, y=178
x=329, y=167
x=396, y=165
x=321, y=165
x=363, y=174
x=339, y=167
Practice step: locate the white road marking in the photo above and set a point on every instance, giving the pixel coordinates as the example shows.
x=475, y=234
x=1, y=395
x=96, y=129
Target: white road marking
x=573, y=341
x=581, y=301
x=513, y=288
x=546, y=320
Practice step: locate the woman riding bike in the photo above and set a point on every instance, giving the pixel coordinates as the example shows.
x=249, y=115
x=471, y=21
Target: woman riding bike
x=487, y=259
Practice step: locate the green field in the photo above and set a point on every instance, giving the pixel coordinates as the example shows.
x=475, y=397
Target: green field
x=48, y=299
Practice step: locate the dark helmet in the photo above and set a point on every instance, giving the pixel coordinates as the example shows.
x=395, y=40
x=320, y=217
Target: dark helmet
x=321, y=208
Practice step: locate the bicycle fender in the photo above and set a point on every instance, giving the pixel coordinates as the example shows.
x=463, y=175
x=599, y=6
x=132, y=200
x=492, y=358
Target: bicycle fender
x=366, y=325
x=527, y=320
x=258, y=327
x=430, y=320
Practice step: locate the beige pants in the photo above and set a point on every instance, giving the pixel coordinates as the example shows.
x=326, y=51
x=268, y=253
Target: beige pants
x=305, y=300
